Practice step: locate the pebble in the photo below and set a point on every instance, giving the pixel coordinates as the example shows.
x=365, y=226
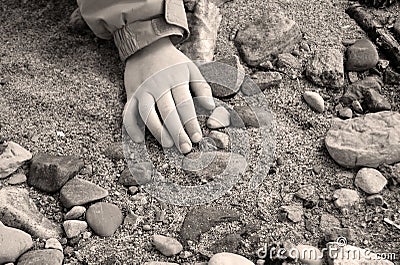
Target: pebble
x=11, y=158
x=383, y=64
x=353, y=77
x=18, y=210
x=293, y=212
x=146, y=227
x=346, y=198
x=267, y=80
x=49, y=173
x=86, y=235
x=245, y=116
x=76, y=212
x=74, y=228
x=168, y=246
x=127, y=179
x=131, y=219
x=42, y=257
x=202, y=218
x=375, y=200
x=345, y=113
x=221, y=139
x=356, y=106
x=53, y=243
x=367, y=141
x=361, y=56
x=115, y=151
x=315, y=101
x=16, y=179
x=267, y=37
x=79, y=192
x=211, y=164
x=133, y=190
x=326, y=68
x=104, y=218
x=13, y=243
x=370, y=180
x=305, y=47
x=306, y=192
x=226, y=258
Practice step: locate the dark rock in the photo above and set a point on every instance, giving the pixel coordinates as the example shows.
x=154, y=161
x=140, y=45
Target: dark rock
x=79, y=192
x=49, y=173
x=375, y=200
x=375, y=102
x=230, y=243
x=208, y=165
x=104, y=218
x=11, y=158
x=115, y=151
x=369, y=141
x=18, y=210
x=358, y=90
x=202, y=218
x=361, y=56
x=245, y=116
x=267, y=37
x=392, y=77
x=261, y=82
x=326, y=68
x=42, y=257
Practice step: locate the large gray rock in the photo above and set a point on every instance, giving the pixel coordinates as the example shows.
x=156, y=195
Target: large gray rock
x=326, y=68
x=42, y=257
x=18, y=210
x=369, y=141
x=267, y=37
x=49, y=173
x=11, y=158
x=79, y=192
x=13, y=243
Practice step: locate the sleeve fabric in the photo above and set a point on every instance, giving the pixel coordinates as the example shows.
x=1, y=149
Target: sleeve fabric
x=134, y=24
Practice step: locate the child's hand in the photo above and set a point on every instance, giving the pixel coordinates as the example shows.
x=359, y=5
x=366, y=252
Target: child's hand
x=166, y=92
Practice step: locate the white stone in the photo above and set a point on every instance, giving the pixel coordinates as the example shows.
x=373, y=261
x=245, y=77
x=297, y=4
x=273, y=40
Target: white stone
x=74, y=228
x=12, y=158
x=168, y=246
x=13, y=243
x=370, y=180
x=315, y=101
x=226, y=258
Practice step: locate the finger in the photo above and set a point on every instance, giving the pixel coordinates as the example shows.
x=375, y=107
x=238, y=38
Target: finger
x=201, y=88
x=132, y=122
x=185, y=107
x=170, y=116
x=149, y=115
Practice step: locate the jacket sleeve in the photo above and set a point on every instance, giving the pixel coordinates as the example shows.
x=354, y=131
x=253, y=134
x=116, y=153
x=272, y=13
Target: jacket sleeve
x=134, y=24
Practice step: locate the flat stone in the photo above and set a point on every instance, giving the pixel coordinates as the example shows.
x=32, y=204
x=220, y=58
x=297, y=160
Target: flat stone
x=42, y=257
x=220, y=139
x=346, y=198
x=315, y=101
x=16, y=179
x=361, y=56
x=202, y=218
x=168, y=246
x=76, y=212
x=79, y=192
x=326, y=68
x=245, y=116
x=13, y=243
x=104, y=218
x=368, y=141
x=11, y=158
x=53, y=243
x=267, y=37
x=74, y=228
x=370, y=180
x=351, y=255
x=206, y=165
x=18, y=210
x=219, y=118
x=261, y=82
x=49, y=173
x=293, y=212
x=226, y=258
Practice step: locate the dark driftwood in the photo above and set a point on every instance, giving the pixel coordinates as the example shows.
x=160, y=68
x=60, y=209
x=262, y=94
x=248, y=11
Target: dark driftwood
x=376, y=32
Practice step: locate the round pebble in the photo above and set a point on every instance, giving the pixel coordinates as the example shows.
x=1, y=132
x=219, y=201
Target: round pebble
x=75, y=213
x=315, y=101
x=74, y=228
x=53, y=243
x=370, y=180
x=168, y=246
x=104, y=218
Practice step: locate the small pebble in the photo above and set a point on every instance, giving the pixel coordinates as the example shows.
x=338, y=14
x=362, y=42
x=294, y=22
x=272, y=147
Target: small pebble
x=375, y=200
x=346, y=198
x=370, y=180
x=168, y=246
x=146, y=227
x=74, y=228
x=315, y=101
x=75, y=213
x=279, y=161
x=16, y=179
x=133, y=190
x=345, y=113
x=54, y=244
x=86, y=235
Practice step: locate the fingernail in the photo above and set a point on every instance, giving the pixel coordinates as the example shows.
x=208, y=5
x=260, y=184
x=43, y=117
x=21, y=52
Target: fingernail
x=185, y=148
x=196, y=137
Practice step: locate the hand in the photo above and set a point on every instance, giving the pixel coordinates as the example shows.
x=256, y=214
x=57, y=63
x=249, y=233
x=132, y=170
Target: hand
x=157, y=79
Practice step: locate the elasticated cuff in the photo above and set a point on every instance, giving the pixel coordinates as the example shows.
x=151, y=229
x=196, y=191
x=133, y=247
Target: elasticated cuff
x=140, y=34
